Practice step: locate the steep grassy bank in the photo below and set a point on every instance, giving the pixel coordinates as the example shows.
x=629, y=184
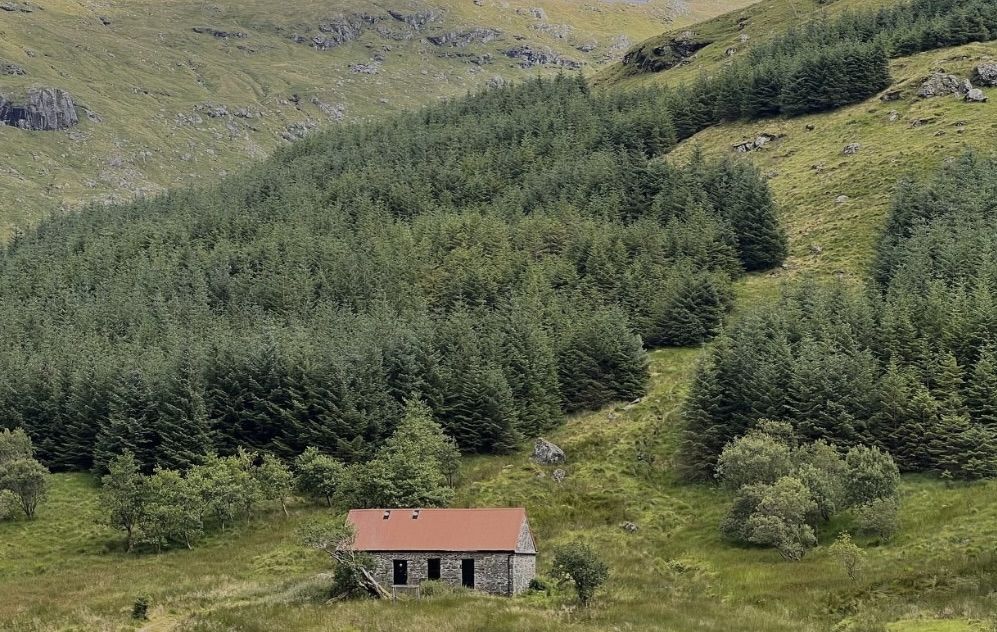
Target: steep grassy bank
x=808, y=171
x=806, y=165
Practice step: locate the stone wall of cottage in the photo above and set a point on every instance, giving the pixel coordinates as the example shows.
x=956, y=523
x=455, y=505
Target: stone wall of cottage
x=524, y=569
x=497, y=573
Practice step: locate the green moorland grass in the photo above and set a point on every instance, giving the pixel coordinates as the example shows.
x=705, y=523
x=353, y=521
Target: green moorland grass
x=808, y=171
x=148, y=77
x=741, y=28
x=66, y=571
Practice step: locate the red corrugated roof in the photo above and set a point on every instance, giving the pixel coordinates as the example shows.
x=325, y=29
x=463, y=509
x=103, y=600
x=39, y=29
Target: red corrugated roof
x=437, y=529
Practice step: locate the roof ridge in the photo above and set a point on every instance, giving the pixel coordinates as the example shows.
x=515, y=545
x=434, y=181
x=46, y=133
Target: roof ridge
x=440, y=509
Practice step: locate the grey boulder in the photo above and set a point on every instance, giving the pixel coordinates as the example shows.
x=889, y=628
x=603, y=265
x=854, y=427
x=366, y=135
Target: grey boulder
x=547, y=453
x=976, y=96
x=986, y=74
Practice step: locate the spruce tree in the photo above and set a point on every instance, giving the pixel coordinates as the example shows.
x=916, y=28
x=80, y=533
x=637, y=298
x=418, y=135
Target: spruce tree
x=183, y=429
x=130, y=426
x=981, y=391
x=693, y=313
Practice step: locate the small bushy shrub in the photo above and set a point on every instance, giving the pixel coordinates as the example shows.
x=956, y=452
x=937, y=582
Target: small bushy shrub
x=538, y=584
x=580, y=564
x=879, y=518
x=140, y=609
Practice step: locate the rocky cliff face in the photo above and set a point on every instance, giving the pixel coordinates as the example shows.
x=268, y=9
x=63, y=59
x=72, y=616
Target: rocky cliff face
x=667, y=54
x=45, y=109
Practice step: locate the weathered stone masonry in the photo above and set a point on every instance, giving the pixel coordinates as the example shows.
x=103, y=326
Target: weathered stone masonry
x=496, y=573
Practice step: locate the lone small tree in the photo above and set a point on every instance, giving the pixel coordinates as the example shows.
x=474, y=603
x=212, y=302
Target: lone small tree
x=28, y=480
x=124, y=495
x=21, y=476
x=275, y=480
x=319, y=475
x=580, y=564
x=850, y=556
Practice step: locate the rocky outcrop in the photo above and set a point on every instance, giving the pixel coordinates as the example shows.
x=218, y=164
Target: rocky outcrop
x=534, y=12
x=365, y=69
x=12, y=7
x=418, y=19
x=220, y=34
x=7, y=68
x=851, y=149
x=673, y=52
x=546, y=453
x=560, y=31
x=940, y=84
x=757, y=142
x=338, y=30
x=891, y=95
x=44, y=109
x=468, y=58
x=986, y=74
x=476, y=35
x=335, y=111
x=529, y=57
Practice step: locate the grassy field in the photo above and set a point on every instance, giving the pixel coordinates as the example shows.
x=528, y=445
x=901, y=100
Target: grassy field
x=151, y=81
x=66, y=571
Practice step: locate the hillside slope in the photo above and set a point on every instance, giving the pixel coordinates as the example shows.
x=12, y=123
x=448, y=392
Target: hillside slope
x=178, y=93
x=806, y=164
x=674, y=573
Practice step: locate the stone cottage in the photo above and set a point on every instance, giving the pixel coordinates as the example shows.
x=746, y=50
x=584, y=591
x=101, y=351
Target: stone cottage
x=491, y=550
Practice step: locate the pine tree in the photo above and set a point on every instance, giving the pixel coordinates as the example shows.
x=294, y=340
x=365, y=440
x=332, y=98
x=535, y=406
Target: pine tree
x=893, y=396
x=981, y=392
x=481, y=413
x=962, y=449
x=740, y=195
x=87, y=401
x=910, y=440
x=693, y=314
x=131, y=423
x=183, y=429
x=946, y=384
x=601, y=361
x=530, y=368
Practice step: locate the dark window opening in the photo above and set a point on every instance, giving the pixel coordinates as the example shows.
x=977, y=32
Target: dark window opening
x=433, y=568
x=401, y=573
x=467, y=573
